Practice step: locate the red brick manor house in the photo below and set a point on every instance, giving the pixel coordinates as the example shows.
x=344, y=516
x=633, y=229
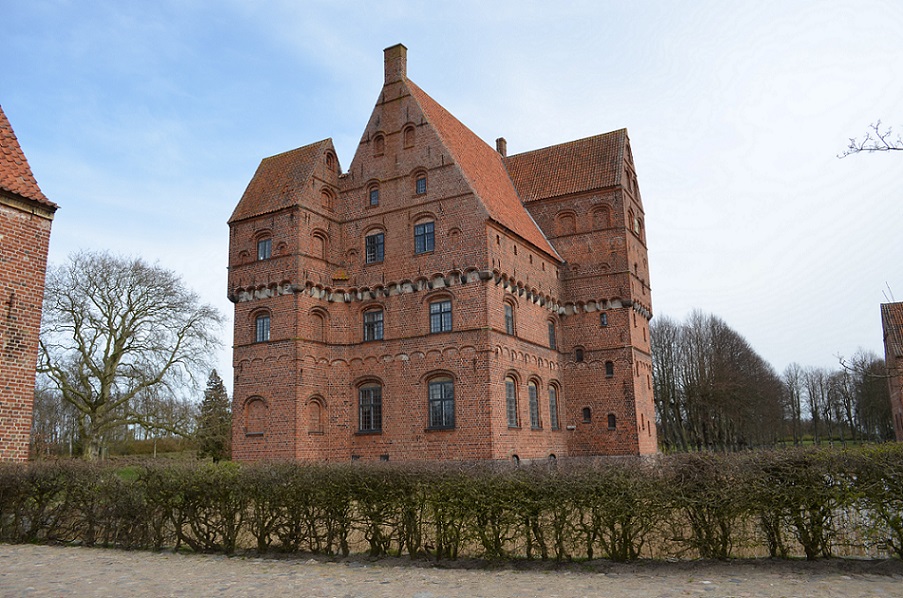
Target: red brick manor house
x=440, y=299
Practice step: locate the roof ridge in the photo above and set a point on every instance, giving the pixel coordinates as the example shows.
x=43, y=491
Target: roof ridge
x=571, y=142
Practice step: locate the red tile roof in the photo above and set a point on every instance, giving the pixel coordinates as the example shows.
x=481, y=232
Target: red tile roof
x=892, y=319
x=278, y=179
x=15, y=174
x=484, y=170
x=581, y=165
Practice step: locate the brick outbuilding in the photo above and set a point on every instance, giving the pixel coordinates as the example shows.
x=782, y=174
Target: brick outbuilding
x=25, y=218
x=439, y=299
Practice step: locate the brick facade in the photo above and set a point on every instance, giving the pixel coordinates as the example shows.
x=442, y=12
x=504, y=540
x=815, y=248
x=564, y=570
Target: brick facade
x=25, y=218
x=439, y=299
x=892, y=324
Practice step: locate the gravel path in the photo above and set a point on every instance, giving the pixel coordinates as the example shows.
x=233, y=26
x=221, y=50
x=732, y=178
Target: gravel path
x=27, y=570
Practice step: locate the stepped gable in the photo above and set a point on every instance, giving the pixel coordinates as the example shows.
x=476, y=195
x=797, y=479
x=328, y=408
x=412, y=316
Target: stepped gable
x=277, y=180
x=15, y=174
x=484, y=170
x=573, y=167
x=892, y=317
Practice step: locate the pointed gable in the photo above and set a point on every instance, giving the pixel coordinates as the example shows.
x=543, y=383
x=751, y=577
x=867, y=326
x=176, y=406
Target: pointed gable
x=573, y=167
x=484, y=170
x=278, y=180
x=15, y=174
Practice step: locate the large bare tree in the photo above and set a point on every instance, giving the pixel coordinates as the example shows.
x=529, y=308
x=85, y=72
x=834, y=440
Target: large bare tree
x=117, y=330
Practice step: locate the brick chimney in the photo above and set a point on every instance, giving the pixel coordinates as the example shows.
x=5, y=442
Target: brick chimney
x=396, y=61
x=501, y=146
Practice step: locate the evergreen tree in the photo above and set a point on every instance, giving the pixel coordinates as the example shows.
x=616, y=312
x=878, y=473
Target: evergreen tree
x=214, y=429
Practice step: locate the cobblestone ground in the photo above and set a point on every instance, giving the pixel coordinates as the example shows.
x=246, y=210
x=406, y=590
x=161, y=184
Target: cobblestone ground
x=27, y=570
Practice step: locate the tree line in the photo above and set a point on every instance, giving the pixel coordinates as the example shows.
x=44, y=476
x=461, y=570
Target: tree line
x=714, y=392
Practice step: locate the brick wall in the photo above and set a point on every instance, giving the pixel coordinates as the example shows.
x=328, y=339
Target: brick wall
x=24, y=239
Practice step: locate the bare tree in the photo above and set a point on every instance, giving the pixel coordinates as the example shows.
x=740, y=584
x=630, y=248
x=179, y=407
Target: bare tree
x=116, y=329
x=876, y=139
x=793, y=386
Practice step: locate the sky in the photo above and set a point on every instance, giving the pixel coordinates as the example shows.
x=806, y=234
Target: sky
x=145, y=121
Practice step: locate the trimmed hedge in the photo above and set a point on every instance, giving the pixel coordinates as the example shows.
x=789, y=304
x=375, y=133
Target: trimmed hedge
x=783, y=504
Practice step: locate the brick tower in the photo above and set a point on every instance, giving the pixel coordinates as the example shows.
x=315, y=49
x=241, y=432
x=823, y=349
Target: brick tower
x=25, y=218
x=439, y=299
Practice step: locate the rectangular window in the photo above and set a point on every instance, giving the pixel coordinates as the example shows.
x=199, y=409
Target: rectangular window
x=509, y=319
x=424, y=237
x=374, y=196
x=421, y=185
x=375, y=247
x=373, y=325
x=553, y=407
x=534, y=407
x=262, y=329
x=511, y=402
x=264, y=249
x=442, y=404
x=552, y=343
x=371, y=408
x=440, y=316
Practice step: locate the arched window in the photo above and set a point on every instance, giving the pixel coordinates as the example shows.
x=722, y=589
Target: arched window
x=420, y=183
x=255, y=417
x=318, y=326
x=370, y=408
x=326, y=199
x=373, y=194
x=315, y=417
x=553, y=407
x=612, y=421
x=408, y=136
x=379, y=144
x=553, y=343
x=373, y=325
x=567, y=223
x=535, y=422
x=511, y=401
x=601, y=218
x=509, y=318
x=587, y=415
x=578, y=354
x=262, y=328
x=441, y=398
x=320, y=244
x=609, y=369
x=330, y=161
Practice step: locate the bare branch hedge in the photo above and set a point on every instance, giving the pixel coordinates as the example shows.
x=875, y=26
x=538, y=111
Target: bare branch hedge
x=782, y=504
